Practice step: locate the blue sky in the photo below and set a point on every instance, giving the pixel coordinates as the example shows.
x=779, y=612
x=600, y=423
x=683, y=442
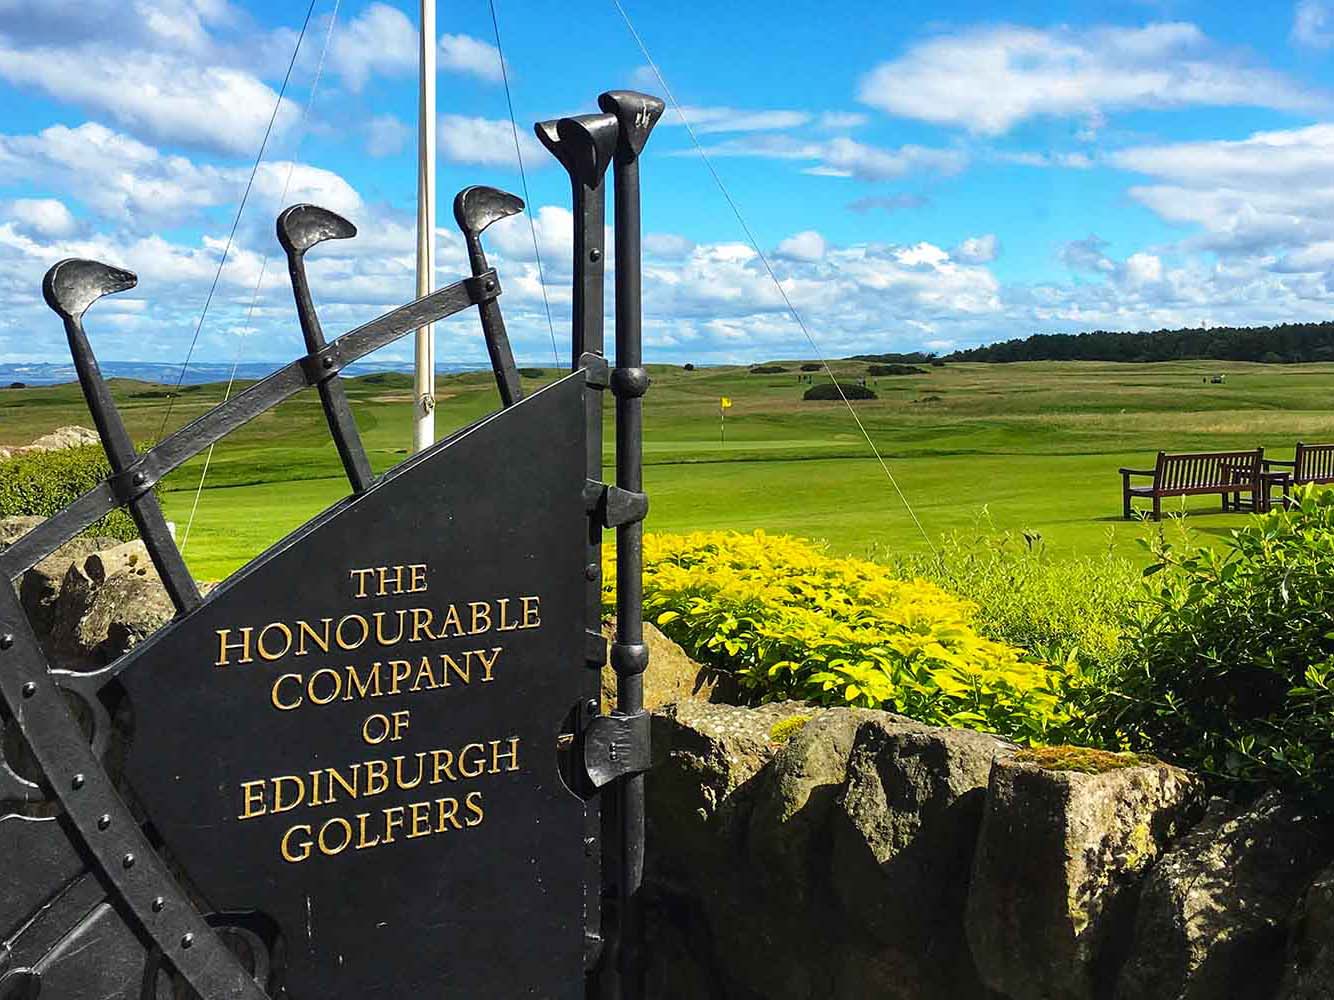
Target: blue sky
x=917, y=181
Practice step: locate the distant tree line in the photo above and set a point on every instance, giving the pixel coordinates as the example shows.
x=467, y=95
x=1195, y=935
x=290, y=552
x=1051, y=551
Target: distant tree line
x=1288, y=343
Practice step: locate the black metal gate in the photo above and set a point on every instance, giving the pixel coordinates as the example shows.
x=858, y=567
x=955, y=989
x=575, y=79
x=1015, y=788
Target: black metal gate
x=372, y=762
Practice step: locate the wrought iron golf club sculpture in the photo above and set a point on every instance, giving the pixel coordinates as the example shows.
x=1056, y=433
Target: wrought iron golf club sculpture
x=371, y=763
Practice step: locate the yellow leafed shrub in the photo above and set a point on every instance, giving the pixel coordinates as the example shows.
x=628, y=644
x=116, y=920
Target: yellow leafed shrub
x=791, y=621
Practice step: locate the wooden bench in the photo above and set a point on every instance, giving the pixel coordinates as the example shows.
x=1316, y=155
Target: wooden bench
x=1313, y=464
x=1228, y=473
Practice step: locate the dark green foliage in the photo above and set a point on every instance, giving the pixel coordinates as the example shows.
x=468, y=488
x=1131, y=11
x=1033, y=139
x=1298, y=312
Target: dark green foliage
x=828, y=390
x=914, y=358
x=895, y=370
x=811, y=368
x=17, y=385
x=767, y=369
x=388, y=380
x=937, y=362
x=688, y=367
x=1290, y=342
x=532, y=372
x=43, y=483
x=1231, y=670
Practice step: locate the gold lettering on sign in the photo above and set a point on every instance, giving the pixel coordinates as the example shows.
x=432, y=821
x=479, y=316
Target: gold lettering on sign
x=386, y=797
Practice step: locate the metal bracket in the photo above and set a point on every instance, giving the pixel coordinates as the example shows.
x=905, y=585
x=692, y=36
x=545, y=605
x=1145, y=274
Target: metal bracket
x=616, y=746
x=595, y=649
x=613, y=506
x=597, y=373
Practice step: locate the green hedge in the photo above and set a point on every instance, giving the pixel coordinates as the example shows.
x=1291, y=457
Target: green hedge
x=43, y=483
x=828, y=390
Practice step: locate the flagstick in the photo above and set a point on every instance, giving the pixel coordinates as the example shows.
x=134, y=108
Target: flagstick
x=423, y=424
x=722, y=424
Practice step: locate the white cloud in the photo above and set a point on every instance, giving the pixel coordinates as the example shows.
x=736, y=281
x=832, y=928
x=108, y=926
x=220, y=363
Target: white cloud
x=487, y=142
x=380, y=41
x=978, y=249
x=991, y=78
x=1313, y=24
x=721, y=119
x=1073, y=161
x=42, y=217
x=155, y=95
x=465, y=54
x=806, y=246
x=668, y=245
x=1272, y=189
x=386, y=135
x=383, y=41
x=845, y=157
x=139, y=188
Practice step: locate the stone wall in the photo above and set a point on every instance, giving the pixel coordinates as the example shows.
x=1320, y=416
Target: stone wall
x=797, y=854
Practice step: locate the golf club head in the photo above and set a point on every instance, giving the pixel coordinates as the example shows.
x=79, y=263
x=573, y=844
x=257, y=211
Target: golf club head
x=637, y=114
x=477, y=207
x=584, y=144
x=300, y=227
x=73, y=285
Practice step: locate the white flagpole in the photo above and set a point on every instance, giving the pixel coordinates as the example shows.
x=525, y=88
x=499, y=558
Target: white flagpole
x=423, y=422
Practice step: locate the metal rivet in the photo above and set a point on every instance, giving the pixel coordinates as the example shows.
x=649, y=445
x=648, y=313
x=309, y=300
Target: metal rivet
x=490, y=285
x=595, y=254
x=127, y=862
x=140, y=478
x=187, y=941
x=159, y=904
x=29, y=689
x=6, y=640
x=103, y=822
x=592, y=571
x=328, y=361
x=77, y=782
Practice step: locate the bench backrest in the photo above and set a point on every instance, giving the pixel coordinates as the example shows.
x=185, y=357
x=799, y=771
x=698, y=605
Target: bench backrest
x=1314, y=463
x=1207, y=470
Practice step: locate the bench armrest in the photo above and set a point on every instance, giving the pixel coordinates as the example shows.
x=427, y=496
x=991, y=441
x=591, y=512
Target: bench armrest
x=1276, y=461
x=1136, y=472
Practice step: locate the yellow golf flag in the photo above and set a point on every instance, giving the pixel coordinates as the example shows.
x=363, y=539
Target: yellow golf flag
x=726, y=402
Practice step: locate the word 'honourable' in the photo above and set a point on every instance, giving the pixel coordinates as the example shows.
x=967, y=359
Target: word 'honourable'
x=276, y=640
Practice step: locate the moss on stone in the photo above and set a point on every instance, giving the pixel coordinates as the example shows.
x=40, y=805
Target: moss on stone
x=1082, y=759
x=784, y=729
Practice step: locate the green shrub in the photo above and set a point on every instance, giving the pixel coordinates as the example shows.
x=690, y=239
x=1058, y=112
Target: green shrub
x=789, y=621
x=828, y=390
x=808, y=367
x=1232, y=669
x=43, y=483
x=895, y=370
x=532, y=372
x=767, y=369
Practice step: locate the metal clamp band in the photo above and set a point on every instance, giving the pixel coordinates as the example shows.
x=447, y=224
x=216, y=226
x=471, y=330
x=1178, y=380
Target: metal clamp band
x=322, y=365
x=616, y=746
x=137, y=480
x=482, y=287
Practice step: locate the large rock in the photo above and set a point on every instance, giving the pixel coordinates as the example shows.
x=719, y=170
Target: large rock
x=904, y=832
x=1213, y=915
x=1310, y=972
x=70, y=436
x=40, y=585
x=672, y=675
x=106, y=606
x=1059, y=858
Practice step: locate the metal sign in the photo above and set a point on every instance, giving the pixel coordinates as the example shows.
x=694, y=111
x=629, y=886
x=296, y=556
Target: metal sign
x=371, y=763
